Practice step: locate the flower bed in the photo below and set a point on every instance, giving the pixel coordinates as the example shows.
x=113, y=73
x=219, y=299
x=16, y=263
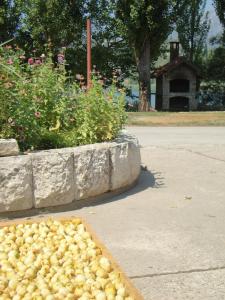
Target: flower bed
x=43, y=107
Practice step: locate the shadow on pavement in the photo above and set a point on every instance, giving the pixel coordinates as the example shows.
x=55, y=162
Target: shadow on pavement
x=146, y=180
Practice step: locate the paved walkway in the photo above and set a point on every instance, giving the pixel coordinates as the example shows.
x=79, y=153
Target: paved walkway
x=182, y=214
x=168, y=232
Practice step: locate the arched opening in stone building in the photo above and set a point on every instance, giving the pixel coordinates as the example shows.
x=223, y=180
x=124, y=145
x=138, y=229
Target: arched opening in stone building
x=179, y=86
x=179, y=104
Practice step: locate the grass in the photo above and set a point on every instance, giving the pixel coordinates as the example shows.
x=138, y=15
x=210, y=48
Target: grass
x=177, y=119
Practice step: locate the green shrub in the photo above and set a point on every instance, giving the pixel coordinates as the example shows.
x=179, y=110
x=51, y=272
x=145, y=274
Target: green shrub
x=99, y=115
x=42, y=108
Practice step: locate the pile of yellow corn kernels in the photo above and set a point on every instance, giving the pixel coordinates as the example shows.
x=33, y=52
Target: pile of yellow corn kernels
x=55, y=260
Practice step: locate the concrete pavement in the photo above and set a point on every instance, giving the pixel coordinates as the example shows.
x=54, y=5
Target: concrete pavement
x=168, y=232
x=149, y=136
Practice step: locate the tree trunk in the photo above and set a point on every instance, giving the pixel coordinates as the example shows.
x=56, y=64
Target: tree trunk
x=143, y=67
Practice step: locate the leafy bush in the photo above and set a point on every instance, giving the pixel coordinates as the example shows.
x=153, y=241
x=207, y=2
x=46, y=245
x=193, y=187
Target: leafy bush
x=212, y=96
x=42, y=108
x=99, y=114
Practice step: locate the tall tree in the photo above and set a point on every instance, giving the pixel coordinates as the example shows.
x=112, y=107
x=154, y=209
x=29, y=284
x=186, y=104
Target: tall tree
x=146, y=24
x=216, y=65
x=193, y=27
x=110, y=50
x=9, y=19
x=220, y=9
x=57, y=23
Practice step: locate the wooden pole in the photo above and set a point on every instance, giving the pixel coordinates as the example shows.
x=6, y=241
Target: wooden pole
x=88, y=53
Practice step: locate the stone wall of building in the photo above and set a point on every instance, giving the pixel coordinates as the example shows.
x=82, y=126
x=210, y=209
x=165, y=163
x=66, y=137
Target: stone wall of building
x=182, y=72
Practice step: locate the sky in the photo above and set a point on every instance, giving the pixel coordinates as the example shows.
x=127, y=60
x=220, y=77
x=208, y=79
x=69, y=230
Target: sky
x=209, y=3
x=215, y=23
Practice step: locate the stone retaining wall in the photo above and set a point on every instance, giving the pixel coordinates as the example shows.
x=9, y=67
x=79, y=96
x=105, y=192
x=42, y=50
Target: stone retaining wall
x=61, y=176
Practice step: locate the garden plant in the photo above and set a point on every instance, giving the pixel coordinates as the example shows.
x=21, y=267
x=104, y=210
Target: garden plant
x=42, y=107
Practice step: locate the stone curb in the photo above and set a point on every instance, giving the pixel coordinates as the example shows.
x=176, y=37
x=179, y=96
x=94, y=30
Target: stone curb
x=8, y=147
x=61, y=176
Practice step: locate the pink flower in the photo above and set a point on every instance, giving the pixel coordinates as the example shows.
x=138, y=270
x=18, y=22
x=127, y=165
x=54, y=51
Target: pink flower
x=22, y=57
x=37, y=114
x=10, y=61
x=61, y=58
x=38, y=62
x=30, y=61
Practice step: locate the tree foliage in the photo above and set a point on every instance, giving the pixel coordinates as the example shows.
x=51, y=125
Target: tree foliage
x=193, y=27
x=127, y=36
x=220, y=9
x=9, y=19
x=146, y=25
x=110, y=50
x=216, y=65
x=142, y=20
x=54, y=24
x=57, y=23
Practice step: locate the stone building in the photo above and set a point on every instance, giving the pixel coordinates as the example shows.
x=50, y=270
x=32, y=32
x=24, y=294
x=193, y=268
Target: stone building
x=176, y=83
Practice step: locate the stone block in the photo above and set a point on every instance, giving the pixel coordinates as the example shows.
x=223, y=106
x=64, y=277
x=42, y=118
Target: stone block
x=15, y=183
x=91, y=170
x=134, y=160
x=53, y=178
x=8, y=147
x=125, y=162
